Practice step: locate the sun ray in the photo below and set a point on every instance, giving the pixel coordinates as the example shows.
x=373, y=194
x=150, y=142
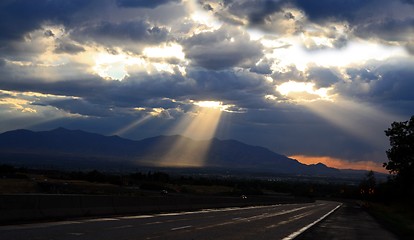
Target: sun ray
x=359, y=119
x=200, y=126
x=133, y=125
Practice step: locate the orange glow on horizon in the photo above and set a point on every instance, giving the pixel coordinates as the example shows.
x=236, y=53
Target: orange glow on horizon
x=341, y=164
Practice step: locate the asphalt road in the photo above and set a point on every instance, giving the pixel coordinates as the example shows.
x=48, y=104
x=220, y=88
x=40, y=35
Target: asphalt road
x=262, y=222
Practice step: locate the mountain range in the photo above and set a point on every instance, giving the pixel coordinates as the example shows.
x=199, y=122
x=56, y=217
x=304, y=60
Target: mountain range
x=76, y=149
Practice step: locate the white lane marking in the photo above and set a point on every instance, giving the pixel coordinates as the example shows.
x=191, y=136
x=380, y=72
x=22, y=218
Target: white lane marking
x=291, y=219
x=267, y=215
x=51, y=224
x=137, y=217
x=153, y=223
x=76, y=234
x=297, y=233
x=254, y=218
x=208, y=210
x=179, y=228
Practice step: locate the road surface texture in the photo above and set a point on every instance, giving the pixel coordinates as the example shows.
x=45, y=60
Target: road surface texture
x=261, y=222
x=348, y=223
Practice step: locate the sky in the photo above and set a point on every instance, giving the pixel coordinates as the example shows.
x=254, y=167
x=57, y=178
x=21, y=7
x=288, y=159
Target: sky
x=318, y=81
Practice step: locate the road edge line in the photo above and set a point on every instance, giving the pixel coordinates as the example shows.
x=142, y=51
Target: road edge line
x=300, y=231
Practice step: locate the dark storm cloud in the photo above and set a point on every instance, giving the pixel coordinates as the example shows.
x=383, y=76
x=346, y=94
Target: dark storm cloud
x=223, y=55
x=17, y=17
x=70, y=48
x=223, y=81
x=388, y=30
x=142, y=87
x=396, y=83
x=78, y=88
x=263, y=67
x=326, y=10
x=385, y=20
x=290, y=73
x=368, y=18
x=263, y=9
x=244, y=89
x=110, y=109
x=256, y=11
x=137, y=30
x=161, y=102
x=322, y=77
x=142, y=91
x=383, y=83
x=362, y=75
x=223, y=48
x=143, y=3
x=82, y=107
x=82, y=20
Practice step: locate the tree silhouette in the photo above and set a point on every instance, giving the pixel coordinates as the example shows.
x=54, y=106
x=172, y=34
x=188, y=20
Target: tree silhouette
x=401, y=153
x=368, y=185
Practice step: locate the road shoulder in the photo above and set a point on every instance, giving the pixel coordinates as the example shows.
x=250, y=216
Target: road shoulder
x=348, y=222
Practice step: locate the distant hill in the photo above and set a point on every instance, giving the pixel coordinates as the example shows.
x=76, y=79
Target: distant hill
x=75, y=149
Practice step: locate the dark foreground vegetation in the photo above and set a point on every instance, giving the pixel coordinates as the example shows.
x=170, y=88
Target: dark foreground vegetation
x=391, y=202
x=37, y=195
x=23, y=180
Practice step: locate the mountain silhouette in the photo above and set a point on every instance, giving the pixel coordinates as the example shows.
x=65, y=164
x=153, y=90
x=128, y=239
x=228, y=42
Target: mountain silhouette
x=76, y=149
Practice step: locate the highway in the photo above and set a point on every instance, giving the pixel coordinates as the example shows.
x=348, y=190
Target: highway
x=261, y=222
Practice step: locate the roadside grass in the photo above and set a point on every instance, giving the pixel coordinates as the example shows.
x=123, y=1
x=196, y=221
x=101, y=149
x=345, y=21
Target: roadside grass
x=52, y=186
x=398, y=217
x=35, y=183
x=13, y=186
